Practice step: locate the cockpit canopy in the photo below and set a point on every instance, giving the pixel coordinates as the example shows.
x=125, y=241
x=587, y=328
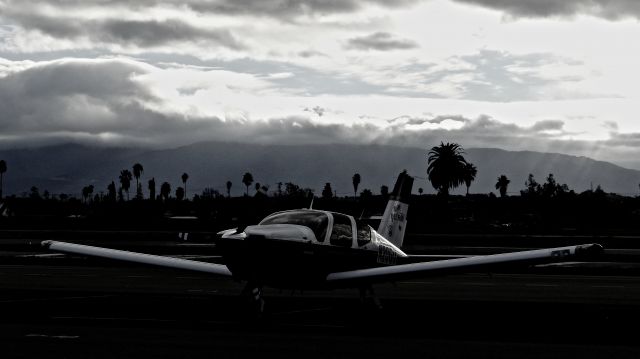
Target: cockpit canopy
x=317, y=221
x=345, y=231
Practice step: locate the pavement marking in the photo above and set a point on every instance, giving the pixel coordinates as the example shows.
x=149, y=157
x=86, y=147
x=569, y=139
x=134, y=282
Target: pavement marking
x=415, y=282
x=59, y=298
x=608, y=286
x=52, y=336
x=478, y=284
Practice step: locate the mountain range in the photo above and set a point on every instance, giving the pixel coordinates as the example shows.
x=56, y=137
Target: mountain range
x=67, y=168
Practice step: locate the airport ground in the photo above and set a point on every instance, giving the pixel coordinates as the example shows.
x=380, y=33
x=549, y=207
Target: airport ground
x=60, y=307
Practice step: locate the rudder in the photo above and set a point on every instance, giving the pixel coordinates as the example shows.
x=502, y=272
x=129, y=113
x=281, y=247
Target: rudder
x=394, y=220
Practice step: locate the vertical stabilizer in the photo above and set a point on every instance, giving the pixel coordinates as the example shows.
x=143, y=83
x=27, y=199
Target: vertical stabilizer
x=394, y=219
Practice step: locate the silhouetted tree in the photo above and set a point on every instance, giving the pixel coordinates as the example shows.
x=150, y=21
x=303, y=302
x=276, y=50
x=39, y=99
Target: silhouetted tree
x=86, y=192
x=229, y=184
x=420, y=190
x=502, y=185
x=34, y=193
x=111, y=188
x=280, y=189
x=356, y=181
x=384, y=191
x=180, y=193
x=184, y=178
x=446, y=167
x=470, y=172
x=366, y=193
x=3, y=169
x=247, y=179
x=327, y=192
x=152, y=188
x=165, y=190
x=125, y=181
x=137, y=172
x=46, y=194
x=532, y=187
x=549, y=188
x=257, y=187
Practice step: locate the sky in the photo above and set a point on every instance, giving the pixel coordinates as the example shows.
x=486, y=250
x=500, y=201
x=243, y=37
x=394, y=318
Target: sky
x=552, y=76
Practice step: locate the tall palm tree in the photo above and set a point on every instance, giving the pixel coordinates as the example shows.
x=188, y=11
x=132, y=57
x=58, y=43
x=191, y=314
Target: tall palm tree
x=247, y=179
x=125, y=181
x=137, y=172
x=229, y=184
x=185, y=177
x=502, y=184
x=470, y=172
x=356, y=181
x=3, y=169
x=446, y=167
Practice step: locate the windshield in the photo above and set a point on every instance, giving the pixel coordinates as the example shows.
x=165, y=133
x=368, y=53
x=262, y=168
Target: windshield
x=316, y=221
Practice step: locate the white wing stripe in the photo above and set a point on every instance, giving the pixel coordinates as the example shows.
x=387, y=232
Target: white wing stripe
x=539, y=254
x=138, y=257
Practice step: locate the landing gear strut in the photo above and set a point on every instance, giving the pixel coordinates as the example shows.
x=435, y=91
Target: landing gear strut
x=253, y=292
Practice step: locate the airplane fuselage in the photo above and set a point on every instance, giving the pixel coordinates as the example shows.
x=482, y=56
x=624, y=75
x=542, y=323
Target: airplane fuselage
x=301, y=253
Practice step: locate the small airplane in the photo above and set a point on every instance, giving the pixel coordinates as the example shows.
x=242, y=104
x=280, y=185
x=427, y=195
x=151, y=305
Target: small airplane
x=316, y=249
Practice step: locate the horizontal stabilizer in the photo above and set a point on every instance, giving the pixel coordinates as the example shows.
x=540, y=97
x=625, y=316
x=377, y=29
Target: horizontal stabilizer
x=142, y=258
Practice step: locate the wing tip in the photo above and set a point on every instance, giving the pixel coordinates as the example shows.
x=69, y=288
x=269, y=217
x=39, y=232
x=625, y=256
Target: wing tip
x=589, y=250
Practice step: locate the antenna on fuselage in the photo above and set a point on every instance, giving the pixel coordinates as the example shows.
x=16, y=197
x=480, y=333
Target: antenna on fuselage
x=311, y=204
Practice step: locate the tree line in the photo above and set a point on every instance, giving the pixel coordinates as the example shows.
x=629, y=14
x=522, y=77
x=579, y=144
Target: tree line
x=447, y=169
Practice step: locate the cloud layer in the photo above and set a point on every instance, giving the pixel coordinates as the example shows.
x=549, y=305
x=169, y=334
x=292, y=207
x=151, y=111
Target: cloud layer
x=609, y=9
x=111, y=102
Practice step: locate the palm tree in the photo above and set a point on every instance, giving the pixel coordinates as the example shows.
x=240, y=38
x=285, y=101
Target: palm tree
x=247, y=179
x=446, y=167
x=257, y=187
x=87, y=192
x=470, y=172
x=184, y=178
x=420, y=190
x=137, y=172
x=180, y=193
x=229, y=184
x=125, y=181
x=356, y=181
x=165, y=190
x=152, y=188
x=3, y=169
x=502, y=184
x=111, y=188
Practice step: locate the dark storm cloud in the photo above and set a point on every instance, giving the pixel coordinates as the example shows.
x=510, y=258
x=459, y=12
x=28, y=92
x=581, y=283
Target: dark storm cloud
x=147, y=33
x=281, y=9
x=381, y=41
x=610, y=9
x=548, y=125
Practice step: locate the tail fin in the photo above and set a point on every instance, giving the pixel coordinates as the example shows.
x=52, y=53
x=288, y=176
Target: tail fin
x=394, y=219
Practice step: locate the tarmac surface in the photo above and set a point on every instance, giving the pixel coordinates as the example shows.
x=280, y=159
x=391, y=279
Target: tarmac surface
x=54, y=306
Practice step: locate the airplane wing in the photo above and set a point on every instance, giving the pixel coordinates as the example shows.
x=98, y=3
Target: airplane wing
x=389, y=273
x=161, y=261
